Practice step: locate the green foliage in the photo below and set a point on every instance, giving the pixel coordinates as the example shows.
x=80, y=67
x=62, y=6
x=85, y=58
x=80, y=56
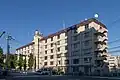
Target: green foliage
x=20, y=62
x=24, y=63
x=15, y=61
x=1, y=58
x=60, y=71
x=30, y=61
x=1, y=51
x=11, y=61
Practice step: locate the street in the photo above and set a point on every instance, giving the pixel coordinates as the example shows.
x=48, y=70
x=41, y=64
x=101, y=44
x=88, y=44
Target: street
x=37, y=77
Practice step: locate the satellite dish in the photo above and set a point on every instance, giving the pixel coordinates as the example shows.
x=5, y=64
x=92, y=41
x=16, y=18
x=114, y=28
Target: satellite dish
x=96, y=15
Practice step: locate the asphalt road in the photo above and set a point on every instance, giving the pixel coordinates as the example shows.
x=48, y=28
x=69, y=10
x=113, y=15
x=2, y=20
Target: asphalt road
x=37, y=77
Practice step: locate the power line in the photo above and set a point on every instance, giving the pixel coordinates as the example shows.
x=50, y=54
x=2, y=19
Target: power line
x=117, y=40
x=114, y=22
x=114, y=51
x=114, y=47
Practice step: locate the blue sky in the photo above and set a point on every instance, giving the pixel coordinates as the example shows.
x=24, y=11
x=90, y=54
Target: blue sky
x=21, y=18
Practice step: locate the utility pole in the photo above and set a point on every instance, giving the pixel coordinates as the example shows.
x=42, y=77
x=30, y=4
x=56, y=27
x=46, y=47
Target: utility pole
x=2, y=34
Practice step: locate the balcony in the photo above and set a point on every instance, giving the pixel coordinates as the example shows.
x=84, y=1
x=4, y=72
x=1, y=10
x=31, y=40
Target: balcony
x=101, y=48
x=100, y=39
x=101, y=32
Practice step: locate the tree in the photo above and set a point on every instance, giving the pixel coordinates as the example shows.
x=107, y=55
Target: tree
x=20, y=62
x=13, y=61
x=1, y=58
x=30, y=61
x=24, y=64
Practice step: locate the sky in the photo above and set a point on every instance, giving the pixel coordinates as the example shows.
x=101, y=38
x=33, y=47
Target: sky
x=20, y=18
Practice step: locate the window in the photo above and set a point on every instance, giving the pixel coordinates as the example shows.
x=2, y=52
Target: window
x=28, y=51
x=118, y=65
x=86, y=34
x=51, y=63
x=45, y=52
x=75, y=38
x=28, y=47
x=65, y=40
x=75, y=61
x=66, y=61
x=66, y=54
x=51, y=44
x=58, y=55
x=51, y=38
x=51, y=50
x=86, y=26
x=66, y=34
x=76, y=53
x=46, y=41
x=87, y=53
x=45, y=57
x=75, y=69
x=86, y=43
x=51, y=57
x=59, y=62
x=88, y=50
x=75, y=46
x=45, y=46
x=66, y=47
x=58, y=42
x=45, y=63
x=75, y=30
x=86, y=59
x=58, y=49
x=32, y=50
x=58, y=37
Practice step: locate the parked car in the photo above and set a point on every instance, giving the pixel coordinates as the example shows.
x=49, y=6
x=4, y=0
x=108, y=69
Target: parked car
x=42, y=72
x=46, y=71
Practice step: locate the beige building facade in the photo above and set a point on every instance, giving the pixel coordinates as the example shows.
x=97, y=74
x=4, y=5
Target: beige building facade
x=79, y=48
x=114, y=64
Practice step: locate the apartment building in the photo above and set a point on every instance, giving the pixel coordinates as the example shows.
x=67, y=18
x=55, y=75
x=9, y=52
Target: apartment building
x=114, y=64
x=25, y=52
x=81, y=47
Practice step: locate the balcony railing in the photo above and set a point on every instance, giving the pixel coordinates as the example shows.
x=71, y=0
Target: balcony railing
x=101, y=32
x=100, y=39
